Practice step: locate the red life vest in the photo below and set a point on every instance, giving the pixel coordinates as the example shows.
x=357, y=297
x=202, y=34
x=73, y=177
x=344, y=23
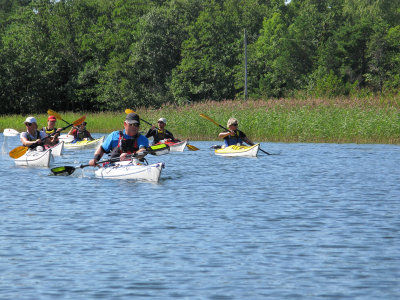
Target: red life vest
x=129, y=146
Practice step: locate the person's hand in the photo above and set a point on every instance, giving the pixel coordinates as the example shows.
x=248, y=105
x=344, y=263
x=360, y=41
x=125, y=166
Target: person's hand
x=92, y=162
x=153, y=127
x=123, y=156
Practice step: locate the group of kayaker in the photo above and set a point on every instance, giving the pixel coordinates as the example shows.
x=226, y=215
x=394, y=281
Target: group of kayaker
x=120, y=143
x=48, y=135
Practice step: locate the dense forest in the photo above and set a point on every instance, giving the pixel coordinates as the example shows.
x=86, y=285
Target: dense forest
x=98, y=55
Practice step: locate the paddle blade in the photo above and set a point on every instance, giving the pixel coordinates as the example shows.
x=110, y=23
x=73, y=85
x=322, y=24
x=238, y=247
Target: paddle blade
x=53, y=113
x=192, y=148
x=158, y=149
x=79, y=121
x=129, y=111
x=63, y=171
x=209, y=119
x=18, y=152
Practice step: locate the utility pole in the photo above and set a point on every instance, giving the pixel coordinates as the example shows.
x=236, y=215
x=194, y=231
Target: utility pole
x=245, y=66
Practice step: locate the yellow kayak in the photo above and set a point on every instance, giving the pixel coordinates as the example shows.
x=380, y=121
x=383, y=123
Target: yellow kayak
x=234, y=150
x=85, y=144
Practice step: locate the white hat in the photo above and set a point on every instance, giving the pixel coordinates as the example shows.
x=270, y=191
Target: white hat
x=164, y=120
x=30, y=120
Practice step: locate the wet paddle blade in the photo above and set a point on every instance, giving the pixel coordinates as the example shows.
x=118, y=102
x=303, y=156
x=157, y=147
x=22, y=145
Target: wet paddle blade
x=63, y=171
x=129, y=111
x=79, y=121
x=192, y=148
x=18, y=152
x=53, y=113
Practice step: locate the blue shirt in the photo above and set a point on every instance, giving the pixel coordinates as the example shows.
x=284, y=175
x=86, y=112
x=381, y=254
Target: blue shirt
x=112, y=141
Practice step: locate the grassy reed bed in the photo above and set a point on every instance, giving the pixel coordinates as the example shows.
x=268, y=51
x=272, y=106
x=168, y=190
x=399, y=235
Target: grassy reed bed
x=341, y=120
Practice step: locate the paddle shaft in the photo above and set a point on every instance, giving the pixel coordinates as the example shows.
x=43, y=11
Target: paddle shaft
x=208, y=118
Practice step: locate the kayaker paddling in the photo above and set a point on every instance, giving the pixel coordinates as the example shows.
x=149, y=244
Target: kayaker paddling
x=33, y=138
x=234, y=136
x=79, y=133
x=160, y=133
x=51, y=128
x=121, y=143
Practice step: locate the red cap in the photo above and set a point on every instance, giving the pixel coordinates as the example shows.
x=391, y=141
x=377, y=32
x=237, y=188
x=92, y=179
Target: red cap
x=51, y=118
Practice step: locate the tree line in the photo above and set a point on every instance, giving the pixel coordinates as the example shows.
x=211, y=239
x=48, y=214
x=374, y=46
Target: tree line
x=97, y=55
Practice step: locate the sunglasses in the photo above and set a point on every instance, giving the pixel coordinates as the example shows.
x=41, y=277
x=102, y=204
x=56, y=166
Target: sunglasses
x=234, y=124
x=28, y=124
x=133, y=124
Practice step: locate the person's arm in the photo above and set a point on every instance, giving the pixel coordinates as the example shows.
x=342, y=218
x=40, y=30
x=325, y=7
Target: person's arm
x=169, y=135
x=143, y=144
x=72, y=132
x=245, y=139
x=104, y=148
x=150, y=132
x=224, y=134
x=27, y=143
x=89, y=136
x=97, y=156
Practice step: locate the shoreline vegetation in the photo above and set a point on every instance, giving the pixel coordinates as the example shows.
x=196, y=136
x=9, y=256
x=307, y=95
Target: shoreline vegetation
x=371, y=120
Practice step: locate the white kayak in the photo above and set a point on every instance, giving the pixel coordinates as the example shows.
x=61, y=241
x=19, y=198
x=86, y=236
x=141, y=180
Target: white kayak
x=131, y=169
x=233, y=151
x=34, y=158
x=57, y=150
x=10, y=132
x=174, y=146
x=85, y=144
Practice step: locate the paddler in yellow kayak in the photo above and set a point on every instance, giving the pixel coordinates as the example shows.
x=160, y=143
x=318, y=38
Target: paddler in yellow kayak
x=234, y=136
x=79, y=133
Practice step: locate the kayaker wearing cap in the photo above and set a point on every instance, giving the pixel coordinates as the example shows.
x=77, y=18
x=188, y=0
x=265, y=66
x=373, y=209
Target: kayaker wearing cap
x=234, y=136
x=161, y=133
x=32, y=137
x=80, y=132
x=50, y=128
x=121, y=143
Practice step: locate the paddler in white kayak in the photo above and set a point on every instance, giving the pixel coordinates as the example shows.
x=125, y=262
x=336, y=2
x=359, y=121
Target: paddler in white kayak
x=122, y=143
x=33, y=138
x=160, y=133
x=234, y=136
x=51, y=128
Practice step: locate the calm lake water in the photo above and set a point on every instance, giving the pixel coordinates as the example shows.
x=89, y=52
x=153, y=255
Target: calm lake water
x=317, y=221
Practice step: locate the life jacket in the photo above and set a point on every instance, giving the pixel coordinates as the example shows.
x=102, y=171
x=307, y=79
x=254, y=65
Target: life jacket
x=129, y=146
x=233, y=140
x=159, y=135
x=79, y=135
x=31, y=139
x=48, y=131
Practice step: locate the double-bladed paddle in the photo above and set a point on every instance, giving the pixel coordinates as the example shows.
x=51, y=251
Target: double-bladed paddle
x=153, y=150
x=57, y=115
x=211, y=120
x=190, y=147
x=21, y=150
